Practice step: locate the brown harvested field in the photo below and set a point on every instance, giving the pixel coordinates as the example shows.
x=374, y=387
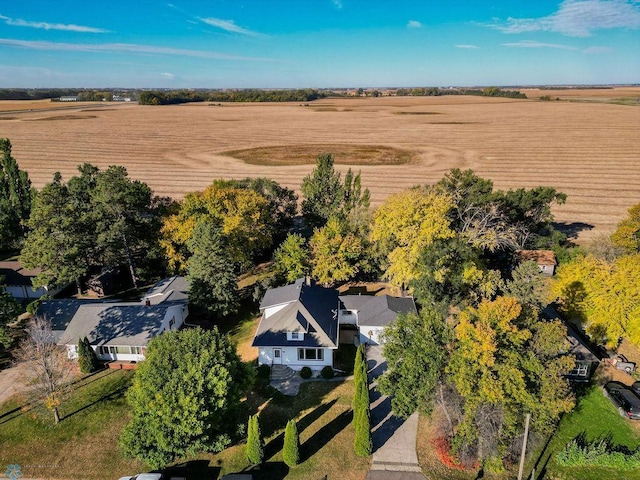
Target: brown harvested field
x=591, y=151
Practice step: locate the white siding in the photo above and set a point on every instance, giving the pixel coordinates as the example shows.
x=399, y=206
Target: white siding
x=290, y=358
x=370, y=335
x=271, y=310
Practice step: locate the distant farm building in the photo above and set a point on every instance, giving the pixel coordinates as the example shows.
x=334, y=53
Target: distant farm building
x=545, y=259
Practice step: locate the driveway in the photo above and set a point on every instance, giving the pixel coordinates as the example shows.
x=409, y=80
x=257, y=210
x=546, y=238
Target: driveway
x=394, y=439
x=10, y=383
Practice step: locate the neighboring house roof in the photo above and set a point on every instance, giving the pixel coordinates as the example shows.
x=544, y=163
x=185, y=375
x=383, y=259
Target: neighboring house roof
x=172, y=289
x=378, y=311
x=15, y=274
x=541, y=257
x=115, y=324
x=311, y=310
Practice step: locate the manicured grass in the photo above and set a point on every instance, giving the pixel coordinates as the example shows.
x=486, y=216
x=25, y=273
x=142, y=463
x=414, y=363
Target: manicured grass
x=83, y=445
x=595, y=416
x=323, y=413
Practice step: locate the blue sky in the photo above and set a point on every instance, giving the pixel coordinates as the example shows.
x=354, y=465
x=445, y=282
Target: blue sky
x=317, y=43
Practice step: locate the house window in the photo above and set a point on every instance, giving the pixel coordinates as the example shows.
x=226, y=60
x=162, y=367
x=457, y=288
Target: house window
x=310, y=354
x=107, y=350
x=136, y=350
x=172, y=322
x=295, y=336
x=123, y=350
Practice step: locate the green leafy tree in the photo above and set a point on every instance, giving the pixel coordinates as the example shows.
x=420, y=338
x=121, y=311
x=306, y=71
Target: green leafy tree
x=291, y=449
x=58, y=241
x=213, y=283
x=604, y=296
x=255, y=443
x=291, y=259
x=15, y=198
x=9, y=311
x=529, y=285
x=404, y=225
x=452, y=273
x=416, y=353
x=505, y=362
x=322, y=191
x=337, y=255
x=185, y=397
x=627, y=234
x=127, y=228
x=245, y=217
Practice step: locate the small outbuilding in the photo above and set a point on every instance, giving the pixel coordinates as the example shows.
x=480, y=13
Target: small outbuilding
x=545, y=259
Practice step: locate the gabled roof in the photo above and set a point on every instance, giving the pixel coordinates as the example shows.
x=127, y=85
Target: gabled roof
x=378, y=311
x=309, y=309
x=172, y=289
x=280, y=295
x=60, y=313
x=541, y=257
x=116, y=324
x=15, y=274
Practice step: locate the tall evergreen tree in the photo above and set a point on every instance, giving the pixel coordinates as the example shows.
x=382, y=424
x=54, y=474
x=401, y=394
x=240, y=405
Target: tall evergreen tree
x=255, y=445
x=291, y=449
x=15, y=198
x=322, y=190
x=213, y=283
x=363, y=443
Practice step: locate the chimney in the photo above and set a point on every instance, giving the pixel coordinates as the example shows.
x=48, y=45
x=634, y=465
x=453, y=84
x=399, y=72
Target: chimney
x=147, y=302
x=307, y=280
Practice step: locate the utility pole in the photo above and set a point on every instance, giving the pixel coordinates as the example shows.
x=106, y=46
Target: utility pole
x=524, y=445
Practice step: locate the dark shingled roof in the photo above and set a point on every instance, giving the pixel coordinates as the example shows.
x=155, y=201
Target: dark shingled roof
x=377, y=311
x=60, y=313
x=15, y=274
x=311, y=310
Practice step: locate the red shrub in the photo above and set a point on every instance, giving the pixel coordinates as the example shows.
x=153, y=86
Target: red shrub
x=443, y=449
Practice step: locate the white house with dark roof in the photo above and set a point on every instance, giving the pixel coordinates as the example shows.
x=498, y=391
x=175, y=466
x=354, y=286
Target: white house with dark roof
x=301, y=322
x=118, y=331
x=17, y=281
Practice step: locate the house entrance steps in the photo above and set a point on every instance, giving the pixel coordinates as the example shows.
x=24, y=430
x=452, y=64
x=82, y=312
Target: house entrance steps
x=281, y=373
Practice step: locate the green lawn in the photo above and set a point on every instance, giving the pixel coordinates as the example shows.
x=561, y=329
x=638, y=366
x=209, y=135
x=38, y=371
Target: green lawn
x=596, y=416
x=85, y=443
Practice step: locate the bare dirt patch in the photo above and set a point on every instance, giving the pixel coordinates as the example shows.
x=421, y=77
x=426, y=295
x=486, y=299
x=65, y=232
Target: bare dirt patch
x=307, y=154
x=62, y=117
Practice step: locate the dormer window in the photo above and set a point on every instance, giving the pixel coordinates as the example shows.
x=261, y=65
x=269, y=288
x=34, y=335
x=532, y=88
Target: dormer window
x=295, y=336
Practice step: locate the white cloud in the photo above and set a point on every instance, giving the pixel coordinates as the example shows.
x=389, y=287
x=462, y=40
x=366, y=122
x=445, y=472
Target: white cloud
x=228, y=26
x=578, y=18
x=414, y=24
x=597, y=50
x=337, y=3
x=16, y=22
x=534, y=44
x=124, y=48
x=470, y=47
x=168, y=75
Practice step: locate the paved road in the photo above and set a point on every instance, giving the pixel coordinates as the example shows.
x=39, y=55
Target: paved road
x=394, y=439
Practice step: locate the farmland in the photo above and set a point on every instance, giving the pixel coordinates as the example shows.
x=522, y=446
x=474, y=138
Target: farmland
x=584, y=145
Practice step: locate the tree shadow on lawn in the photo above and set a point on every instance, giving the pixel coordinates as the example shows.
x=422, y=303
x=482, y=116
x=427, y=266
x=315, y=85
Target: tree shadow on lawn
x=325, y=435
x=276, y=444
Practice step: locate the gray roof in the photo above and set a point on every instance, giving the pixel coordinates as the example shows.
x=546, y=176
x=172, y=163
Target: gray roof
x=60, y=313
x=172, y=289
x=312, y=310
x=378, y=311
x=115, y=324
x=280, y=295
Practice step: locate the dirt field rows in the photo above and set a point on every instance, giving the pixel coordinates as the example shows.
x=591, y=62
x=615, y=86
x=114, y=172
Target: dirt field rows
x=591, y=151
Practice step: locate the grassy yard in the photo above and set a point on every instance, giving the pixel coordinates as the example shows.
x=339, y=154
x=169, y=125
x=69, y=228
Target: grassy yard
x=595, y=416
x=83, y=445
